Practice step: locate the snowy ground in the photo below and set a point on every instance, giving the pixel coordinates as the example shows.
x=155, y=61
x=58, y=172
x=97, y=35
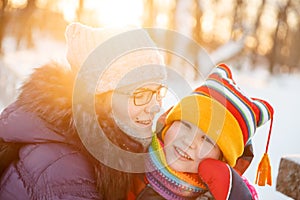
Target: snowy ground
x=280, y=91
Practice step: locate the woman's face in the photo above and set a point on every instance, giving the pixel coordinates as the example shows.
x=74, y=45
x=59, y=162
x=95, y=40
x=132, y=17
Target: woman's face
x=134, y=110
x=186, y=146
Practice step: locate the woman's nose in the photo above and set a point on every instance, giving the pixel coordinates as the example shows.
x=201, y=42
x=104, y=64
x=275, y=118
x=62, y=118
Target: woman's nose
x=153, y=106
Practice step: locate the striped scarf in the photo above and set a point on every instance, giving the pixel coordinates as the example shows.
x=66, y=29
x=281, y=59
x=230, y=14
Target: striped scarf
x=165, y=181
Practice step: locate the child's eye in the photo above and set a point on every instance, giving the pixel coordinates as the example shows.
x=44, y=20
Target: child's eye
x=207, y=139
x=186, y=125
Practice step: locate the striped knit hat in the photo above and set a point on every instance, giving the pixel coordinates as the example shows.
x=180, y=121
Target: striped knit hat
x=227, y=115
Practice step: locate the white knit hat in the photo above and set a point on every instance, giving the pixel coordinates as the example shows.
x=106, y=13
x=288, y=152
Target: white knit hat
x=144, y=65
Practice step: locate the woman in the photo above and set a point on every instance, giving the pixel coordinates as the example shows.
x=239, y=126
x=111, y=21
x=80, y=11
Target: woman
x=54, y=162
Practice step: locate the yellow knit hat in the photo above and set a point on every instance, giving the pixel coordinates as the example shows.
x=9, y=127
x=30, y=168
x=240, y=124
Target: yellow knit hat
x=214, y=120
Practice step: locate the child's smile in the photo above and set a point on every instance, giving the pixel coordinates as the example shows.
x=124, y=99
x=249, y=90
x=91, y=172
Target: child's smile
x=182, y=154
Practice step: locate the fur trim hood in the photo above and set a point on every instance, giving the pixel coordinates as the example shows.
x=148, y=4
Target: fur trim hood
x=43, y=109
x=43, y=112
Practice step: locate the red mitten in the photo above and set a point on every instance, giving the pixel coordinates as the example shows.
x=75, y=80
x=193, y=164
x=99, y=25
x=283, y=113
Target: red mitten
x=222, y=181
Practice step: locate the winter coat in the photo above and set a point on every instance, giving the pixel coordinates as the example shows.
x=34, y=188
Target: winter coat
x=53, y=163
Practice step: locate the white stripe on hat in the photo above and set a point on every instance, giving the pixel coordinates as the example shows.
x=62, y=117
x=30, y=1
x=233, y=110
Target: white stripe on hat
x=264, y=114
x=247, y=112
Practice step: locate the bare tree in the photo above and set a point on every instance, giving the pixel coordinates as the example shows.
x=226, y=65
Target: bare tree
x=171, y=15
x=197, y=32
x=254, y=32
x=294, y=54
x=237, y=17
x=25, y=25
x=3, y=19
x=79, y=10
x=278, y=39
x=197, y=29
x=149, y=14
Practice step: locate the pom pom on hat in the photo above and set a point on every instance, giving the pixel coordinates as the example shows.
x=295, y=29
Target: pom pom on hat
x=227, y=115
x=82, y=40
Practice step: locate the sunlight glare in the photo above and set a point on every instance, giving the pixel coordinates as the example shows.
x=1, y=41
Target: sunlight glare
x=18, y=3
x=268, y=18
x=162, y=20
x=293, y=20
x=251, y=41
x=68, y=7
x=265, y=44
x=223, y=29
x=207, y=21
x=117, y=12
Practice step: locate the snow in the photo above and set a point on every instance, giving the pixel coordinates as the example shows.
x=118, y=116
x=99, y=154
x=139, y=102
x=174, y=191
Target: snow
x=20, y=64
x=294, y=158
x=23, y=61
x=227, y=50
x=282, y=91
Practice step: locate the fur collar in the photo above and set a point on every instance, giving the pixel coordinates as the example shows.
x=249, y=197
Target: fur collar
x=48, y=94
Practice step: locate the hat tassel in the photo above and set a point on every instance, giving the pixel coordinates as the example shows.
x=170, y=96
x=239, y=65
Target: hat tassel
x=263, y=174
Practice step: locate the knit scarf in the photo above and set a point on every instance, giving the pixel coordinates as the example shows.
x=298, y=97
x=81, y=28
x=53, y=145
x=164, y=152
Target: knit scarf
x=169, y=183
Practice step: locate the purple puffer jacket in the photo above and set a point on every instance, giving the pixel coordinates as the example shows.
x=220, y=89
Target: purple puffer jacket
x=52, y=165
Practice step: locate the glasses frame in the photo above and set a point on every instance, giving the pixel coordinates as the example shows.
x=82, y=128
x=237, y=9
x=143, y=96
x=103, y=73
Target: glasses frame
x=158, y=97
x=133, y=95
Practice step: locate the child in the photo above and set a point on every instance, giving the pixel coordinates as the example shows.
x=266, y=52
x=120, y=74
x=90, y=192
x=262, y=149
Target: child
x=203, y=137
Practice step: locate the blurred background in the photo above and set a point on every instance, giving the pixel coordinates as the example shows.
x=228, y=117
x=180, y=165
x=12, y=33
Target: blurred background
x=261, y=37
x=264, y=33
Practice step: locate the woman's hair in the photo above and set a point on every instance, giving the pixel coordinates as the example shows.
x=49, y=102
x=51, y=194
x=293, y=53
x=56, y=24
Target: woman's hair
x=112, y=183
x=110, y=127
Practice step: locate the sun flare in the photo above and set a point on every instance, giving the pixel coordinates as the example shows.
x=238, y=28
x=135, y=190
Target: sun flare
x=119, y=12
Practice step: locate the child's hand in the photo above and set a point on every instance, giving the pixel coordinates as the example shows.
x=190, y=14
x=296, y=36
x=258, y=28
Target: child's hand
x=222, y=181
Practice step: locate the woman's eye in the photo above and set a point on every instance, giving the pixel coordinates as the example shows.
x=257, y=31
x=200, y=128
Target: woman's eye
x=139, y=95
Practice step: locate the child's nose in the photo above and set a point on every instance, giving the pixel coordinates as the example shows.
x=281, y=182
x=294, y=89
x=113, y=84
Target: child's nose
x=190, y=141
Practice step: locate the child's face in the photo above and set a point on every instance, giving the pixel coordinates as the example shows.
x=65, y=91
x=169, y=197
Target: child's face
x=186, y=146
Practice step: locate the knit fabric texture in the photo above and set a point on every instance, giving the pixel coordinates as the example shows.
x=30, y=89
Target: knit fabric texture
x=168, y=183
x=222, y=111
x=143, y=63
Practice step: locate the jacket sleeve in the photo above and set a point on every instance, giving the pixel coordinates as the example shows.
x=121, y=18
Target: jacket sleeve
x=9, y=152
x=49, y=171
x=11, y=186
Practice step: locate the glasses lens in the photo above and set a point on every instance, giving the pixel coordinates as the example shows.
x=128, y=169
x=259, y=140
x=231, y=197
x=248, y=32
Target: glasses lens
x=142, y=98
x=161, y=93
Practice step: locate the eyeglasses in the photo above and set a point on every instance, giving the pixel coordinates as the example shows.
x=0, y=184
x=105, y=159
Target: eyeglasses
x=143, y=96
